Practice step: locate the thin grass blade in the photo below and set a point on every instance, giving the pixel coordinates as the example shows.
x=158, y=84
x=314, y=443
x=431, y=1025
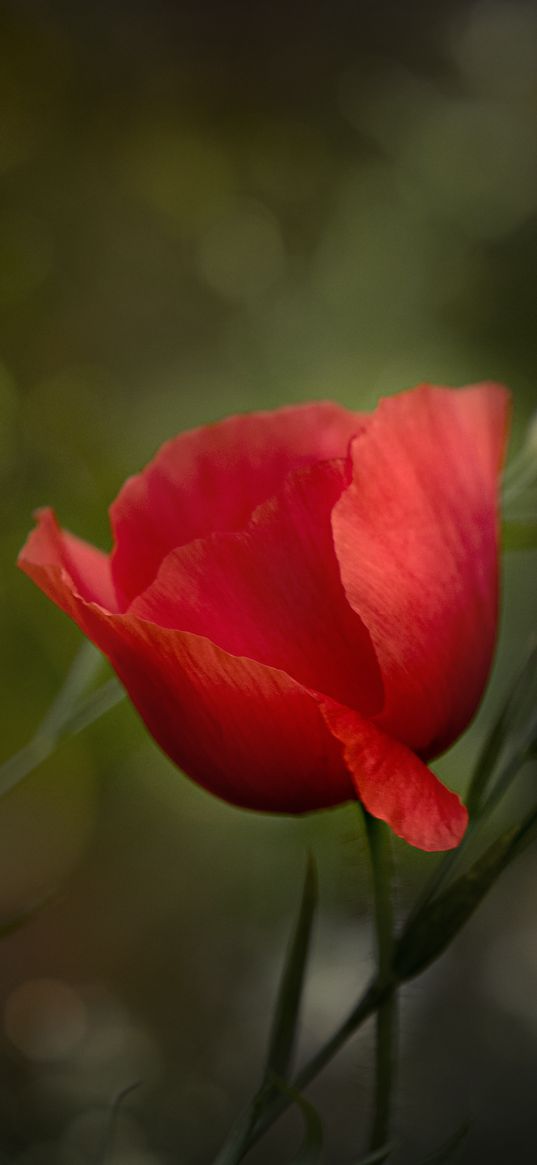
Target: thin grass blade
x=310, y=1151
x=507, y=731
x=286, y=1015
x=65, y=718
x=432, y=930
x=85, y=667
x=111, y=1124
x=238, y=1140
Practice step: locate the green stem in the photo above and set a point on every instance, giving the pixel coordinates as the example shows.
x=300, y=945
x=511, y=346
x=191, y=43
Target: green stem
x=375, y=994
x=378, y=998
x=366, y=1006
x=386, y=1018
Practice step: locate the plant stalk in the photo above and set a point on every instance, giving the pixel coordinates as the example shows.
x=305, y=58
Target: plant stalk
x=386, y=1017
x=373, y=997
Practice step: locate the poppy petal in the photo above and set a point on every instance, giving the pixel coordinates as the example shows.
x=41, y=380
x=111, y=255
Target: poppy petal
x=395, y=785
x=87, y=567
x=247, y=732
x=212, y=478
x=273, y=592
x=417, y=542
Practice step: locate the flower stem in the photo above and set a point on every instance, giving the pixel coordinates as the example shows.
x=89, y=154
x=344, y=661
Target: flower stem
x=374, y=995
x=379, y=998
x=386, y=1017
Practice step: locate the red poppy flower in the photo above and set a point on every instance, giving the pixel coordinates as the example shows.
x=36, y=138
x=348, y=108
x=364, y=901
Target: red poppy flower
x=302, y=604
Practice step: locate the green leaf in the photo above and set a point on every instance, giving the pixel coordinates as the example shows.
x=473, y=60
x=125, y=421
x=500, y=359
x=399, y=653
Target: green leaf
x=85, y=667
x=285, y=1023
x=525, y=835
x=310, y=1151
x=432, y=930
x=232, y=1152
x=519, y=535
x=284, y=1026
x=512, y=730
x=446, y=1151
x=53, y=730
x=93, y=706
x=510, y=743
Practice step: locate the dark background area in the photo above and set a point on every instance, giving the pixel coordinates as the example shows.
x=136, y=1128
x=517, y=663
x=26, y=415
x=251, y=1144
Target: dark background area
x=207, y=208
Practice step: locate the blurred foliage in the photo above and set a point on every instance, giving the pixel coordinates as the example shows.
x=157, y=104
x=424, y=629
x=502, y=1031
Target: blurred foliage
x=203, y=208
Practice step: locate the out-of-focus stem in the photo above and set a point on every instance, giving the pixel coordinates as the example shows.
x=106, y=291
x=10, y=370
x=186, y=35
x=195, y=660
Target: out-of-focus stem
x=379, y=998
x=43, y=744
x=386, y=1019
x=372, y=998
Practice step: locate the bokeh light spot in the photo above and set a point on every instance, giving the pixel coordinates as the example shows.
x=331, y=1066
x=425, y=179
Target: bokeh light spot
x=181, y=175
x=45, y=1019
x=242, y=253
x=495, y=46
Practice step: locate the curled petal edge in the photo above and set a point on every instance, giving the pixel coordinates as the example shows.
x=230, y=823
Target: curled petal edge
x=395, y=785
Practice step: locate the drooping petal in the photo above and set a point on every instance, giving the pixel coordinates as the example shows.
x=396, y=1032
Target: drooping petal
x=416, y=538
x=395, y=785
x=212, y=478
x=273, y=592
x=245, y=731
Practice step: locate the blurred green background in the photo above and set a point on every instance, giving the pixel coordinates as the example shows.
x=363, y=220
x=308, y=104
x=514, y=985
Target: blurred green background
x=207, y=208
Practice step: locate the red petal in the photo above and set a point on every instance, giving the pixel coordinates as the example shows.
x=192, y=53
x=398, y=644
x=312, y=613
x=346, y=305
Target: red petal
x=273, y=592
x=395, y=785
x=416, y=538
x=245, y=731
x=212, y=479
x=87, y=567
